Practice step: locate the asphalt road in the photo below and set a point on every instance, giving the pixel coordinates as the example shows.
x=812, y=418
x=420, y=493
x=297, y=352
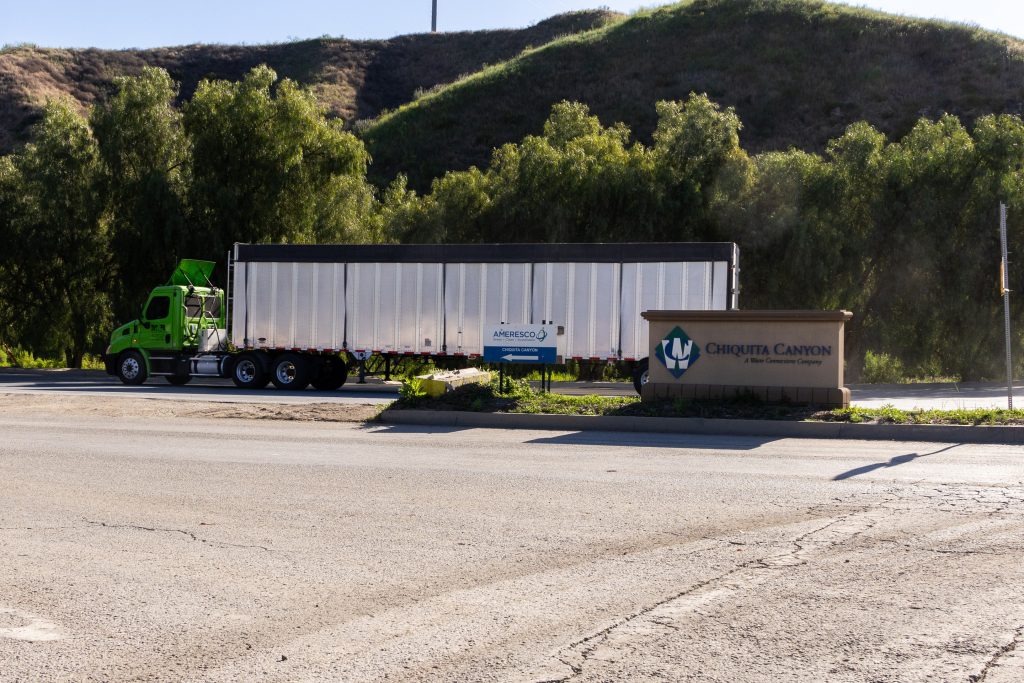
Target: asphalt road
x=242, y=550
x=99, y=384
x=94, y=383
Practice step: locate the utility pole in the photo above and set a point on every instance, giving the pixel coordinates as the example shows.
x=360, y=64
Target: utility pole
x=1004, y=286
x=433, y=17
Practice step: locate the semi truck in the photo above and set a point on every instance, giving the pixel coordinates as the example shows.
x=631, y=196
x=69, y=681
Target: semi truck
x=300, y=315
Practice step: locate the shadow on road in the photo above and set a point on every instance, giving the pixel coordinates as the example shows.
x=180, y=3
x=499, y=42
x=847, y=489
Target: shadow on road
x=893, y=462
x=648, y=440
x=380, y=428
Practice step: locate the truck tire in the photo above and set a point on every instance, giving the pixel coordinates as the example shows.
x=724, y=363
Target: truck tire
x=290, y=372
x=178, y=380
x=247, y=372
x=131, y=367
x=331, y=373
x=640, y=374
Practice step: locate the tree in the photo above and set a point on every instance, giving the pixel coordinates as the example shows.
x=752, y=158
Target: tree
x=62, y=265
x=145, y=169
x=267, y=166
x=694, y=142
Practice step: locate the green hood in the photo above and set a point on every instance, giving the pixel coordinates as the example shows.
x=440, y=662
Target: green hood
x=192, y=272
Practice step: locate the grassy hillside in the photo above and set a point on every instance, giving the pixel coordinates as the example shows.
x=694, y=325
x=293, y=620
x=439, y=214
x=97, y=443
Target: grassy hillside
x=354, y=79
x=797, y=72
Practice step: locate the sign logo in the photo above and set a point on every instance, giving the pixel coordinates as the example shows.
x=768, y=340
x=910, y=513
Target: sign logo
x=677, y=352
x=542, y=335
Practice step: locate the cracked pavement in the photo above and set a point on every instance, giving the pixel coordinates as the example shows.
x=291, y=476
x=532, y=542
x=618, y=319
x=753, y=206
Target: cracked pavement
x=224, y=550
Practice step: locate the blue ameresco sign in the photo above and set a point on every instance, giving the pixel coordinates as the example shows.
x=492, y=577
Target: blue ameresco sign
x=520, y=344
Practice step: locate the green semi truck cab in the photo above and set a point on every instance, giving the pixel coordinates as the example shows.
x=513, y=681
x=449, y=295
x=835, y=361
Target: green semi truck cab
x=179, y=320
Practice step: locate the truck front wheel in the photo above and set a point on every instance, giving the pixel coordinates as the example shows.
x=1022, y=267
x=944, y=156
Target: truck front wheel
x=291, y=372
x=131, y=368
x=248, y=373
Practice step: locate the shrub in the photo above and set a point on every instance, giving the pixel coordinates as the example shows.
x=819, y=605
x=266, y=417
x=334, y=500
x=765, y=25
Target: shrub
x=411, y=391
x=881, y=368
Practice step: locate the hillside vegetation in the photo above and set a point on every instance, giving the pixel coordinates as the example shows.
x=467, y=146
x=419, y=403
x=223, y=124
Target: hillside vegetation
x=353, y=79
x=797, y=72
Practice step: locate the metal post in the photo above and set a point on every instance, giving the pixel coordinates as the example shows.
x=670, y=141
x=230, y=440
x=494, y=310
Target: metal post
x=433, y=18
x=1004, y=285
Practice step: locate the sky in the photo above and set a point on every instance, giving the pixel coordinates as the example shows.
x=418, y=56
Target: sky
x=116, y=24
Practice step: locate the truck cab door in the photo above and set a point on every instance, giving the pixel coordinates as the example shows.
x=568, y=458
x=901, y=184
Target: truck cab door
x=155, y=330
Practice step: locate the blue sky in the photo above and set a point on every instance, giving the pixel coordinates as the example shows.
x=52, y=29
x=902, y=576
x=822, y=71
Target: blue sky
x=153, y=23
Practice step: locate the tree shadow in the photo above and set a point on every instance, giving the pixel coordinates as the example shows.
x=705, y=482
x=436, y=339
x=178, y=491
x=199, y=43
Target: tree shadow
x=893, y=462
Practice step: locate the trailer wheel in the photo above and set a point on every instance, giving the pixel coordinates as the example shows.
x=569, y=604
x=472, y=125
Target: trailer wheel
x=178, y=380
x=641, y=374
x=291, y=372
x=131, y=368
x=248, y=372
x=331, y=374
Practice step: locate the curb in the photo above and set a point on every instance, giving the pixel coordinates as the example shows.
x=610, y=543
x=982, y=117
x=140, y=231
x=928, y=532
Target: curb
x=697, y=425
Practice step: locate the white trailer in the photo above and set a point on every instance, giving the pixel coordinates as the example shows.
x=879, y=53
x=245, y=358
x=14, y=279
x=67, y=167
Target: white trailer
x=436, y=300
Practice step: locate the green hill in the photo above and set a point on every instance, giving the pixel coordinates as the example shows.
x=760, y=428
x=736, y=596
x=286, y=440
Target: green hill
x=797, y=72
x=354, y=79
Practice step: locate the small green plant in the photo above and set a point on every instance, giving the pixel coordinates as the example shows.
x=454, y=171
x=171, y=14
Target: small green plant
x=881, y=368
x=411, y=390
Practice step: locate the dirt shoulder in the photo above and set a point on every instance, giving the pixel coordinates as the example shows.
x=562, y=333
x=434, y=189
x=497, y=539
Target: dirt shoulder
x=60, y=405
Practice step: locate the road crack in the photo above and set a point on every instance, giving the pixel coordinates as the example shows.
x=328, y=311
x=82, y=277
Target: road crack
x=1018, y=635
x=801, y=545
x=185, y=532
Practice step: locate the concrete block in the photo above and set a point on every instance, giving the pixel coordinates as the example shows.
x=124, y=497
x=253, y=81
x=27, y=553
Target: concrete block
x=437, y=383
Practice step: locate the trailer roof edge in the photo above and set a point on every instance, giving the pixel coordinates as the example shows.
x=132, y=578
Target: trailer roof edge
x=636, y=252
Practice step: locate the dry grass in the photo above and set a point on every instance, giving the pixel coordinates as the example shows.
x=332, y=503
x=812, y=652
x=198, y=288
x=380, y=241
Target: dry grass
x=354, y=79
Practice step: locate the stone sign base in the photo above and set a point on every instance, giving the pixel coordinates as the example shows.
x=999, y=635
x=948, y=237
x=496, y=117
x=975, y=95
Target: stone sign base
x=778, y=356
x=814, y=396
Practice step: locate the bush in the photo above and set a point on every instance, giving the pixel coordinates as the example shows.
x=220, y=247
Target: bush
x=411, y=390
x=881, y=368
